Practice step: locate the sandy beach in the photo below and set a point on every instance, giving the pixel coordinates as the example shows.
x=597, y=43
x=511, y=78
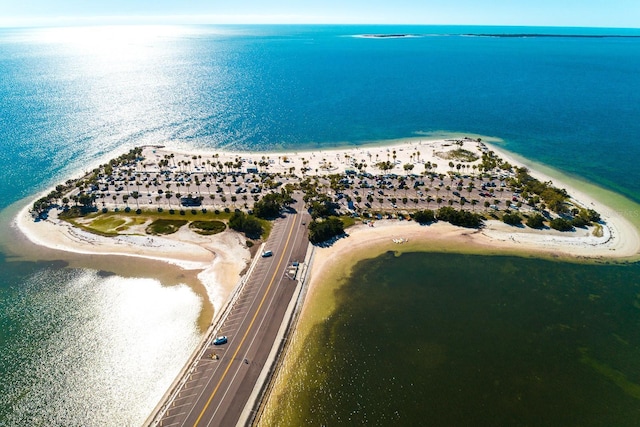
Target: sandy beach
x=222, y=258
x=218, y=260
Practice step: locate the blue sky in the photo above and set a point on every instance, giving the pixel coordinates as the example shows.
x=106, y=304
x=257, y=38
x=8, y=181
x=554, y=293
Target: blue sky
x=586, y=13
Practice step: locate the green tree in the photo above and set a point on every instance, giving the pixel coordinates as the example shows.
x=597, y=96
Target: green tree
x=561, y=224
x=271, y=204
x=247, y=224
x=460, y=218
x=321, y=231
x=512, y=218
x=86, y=200
x=535, y=221
x=424, y=217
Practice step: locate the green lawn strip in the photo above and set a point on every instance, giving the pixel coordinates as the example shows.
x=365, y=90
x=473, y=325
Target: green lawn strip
x=348, y=220
x=463, y=155
x=90, y=229
x=107, y=224
x=208, y=228
x=165, y=226
x=101, y=221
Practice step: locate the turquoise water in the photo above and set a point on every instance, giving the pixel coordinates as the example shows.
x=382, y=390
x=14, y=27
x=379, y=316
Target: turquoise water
x=460, y=340
x=70, y=96
x=73, y=97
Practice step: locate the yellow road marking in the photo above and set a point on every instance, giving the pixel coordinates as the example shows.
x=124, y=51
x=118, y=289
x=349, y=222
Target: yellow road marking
x=215, y=390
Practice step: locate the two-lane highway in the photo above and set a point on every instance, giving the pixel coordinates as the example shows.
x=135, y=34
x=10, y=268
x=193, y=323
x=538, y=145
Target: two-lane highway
x=221, y=381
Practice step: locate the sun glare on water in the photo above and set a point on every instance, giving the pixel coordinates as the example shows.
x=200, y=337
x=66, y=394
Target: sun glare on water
x=112, y=41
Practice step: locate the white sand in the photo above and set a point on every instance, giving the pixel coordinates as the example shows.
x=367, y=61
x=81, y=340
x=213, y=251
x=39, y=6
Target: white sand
x=620, y=238
x=223, y=257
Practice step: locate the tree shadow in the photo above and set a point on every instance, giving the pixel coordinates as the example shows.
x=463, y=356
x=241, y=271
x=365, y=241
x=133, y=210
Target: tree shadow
x=330, y=242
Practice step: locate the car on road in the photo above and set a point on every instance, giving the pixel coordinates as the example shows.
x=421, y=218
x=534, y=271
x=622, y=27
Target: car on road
x=266, y=254
x=220, y=340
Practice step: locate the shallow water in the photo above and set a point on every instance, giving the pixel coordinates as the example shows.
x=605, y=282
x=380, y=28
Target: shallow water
x=448, y=340
x=79, y=346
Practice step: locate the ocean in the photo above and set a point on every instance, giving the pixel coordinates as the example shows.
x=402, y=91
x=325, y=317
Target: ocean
x=74, y=97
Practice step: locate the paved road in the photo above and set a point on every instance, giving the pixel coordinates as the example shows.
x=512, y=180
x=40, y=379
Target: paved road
x=217, y=390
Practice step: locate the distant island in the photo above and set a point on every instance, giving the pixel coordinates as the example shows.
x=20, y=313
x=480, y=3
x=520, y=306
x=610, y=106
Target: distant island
x=542, y=35
x=500, y=35
x=387, y=36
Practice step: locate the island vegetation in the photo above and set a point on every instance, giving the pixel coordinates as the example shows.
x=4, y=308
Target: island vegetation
x=215, y=191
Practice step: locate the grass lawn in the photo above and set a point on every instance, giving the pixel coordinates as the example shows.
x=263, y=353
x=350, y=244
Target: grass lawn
x=107, y=224
x=112, y=223
x=208, y=228
x=165, y=226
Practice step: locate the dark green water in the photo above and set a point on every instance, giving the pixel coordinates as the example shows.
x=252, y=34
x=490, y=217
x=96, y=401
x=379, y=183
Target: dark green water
x=462, y=340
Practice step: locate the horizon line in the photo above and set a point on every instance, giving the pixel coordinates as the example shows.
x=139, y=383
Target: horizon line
x=123, y=20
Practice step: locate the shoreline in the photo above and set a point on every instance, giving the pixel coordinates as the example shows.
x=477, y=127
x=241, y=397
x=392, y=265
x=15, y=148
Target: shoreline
x=332, y=266
x=318, y=162
x=211, y=269
x=220, y=259
x=334, y=263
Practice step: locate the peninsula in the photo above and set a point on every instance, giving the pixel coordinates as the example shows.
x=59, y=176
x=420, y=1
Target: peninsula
x=176, y=206
x=209, y=211
x=151, y=201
